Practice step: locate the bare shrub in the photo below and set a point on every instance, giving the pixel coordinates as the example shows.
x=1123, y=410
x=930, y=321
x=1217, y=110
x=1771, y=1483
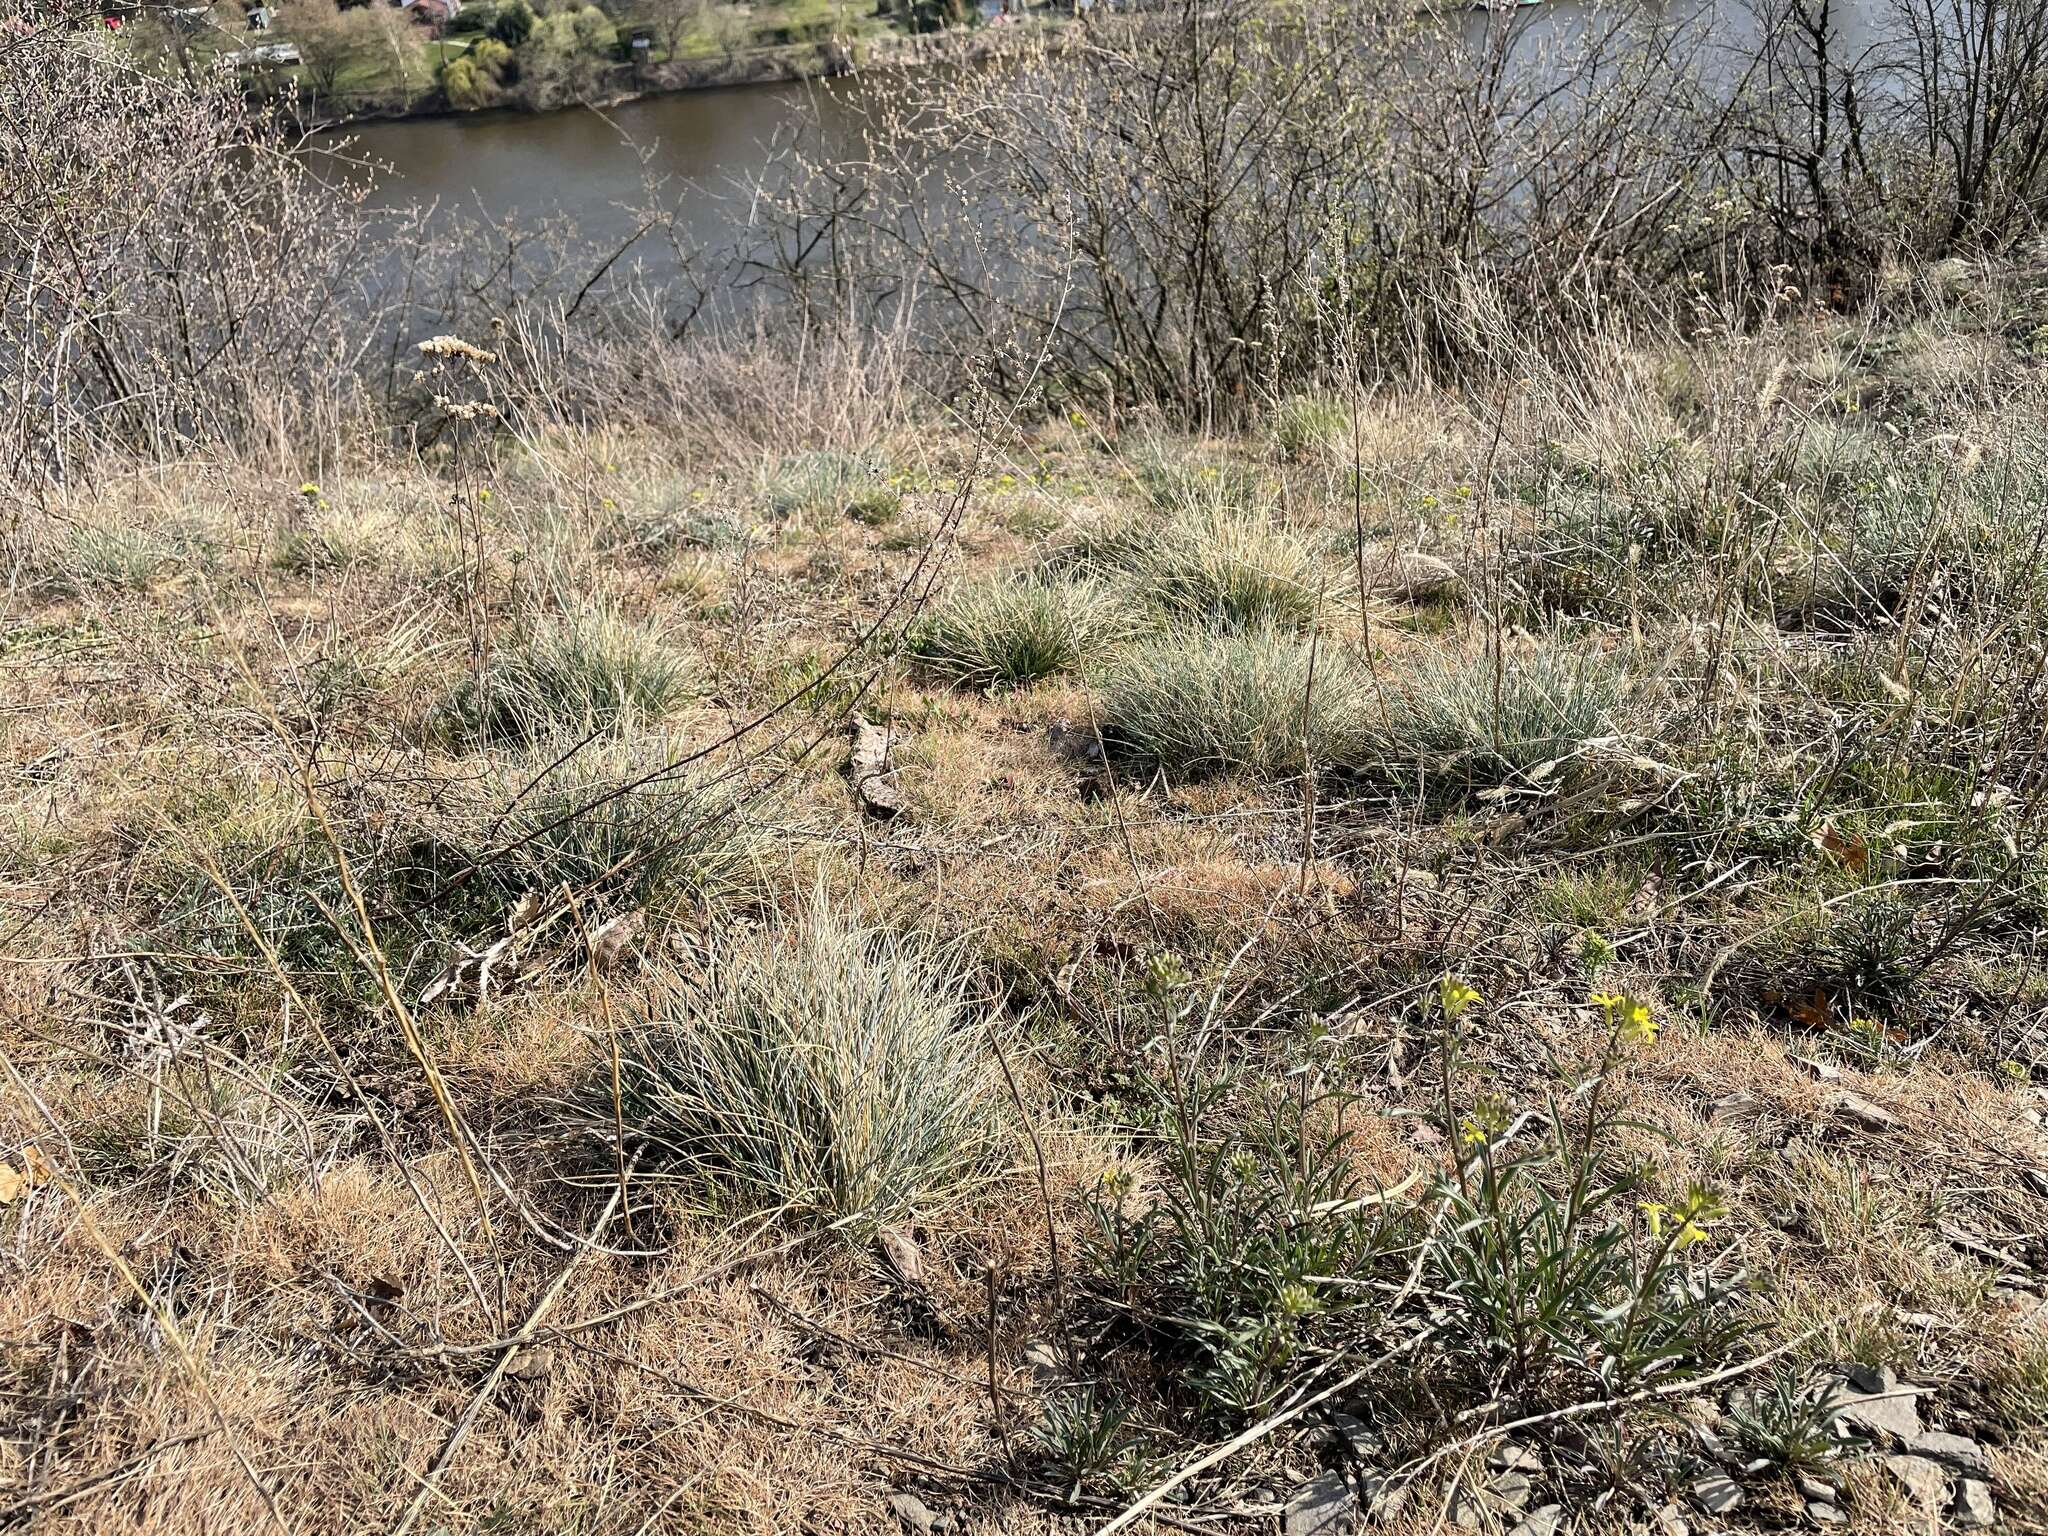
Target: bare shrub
x=170, y=269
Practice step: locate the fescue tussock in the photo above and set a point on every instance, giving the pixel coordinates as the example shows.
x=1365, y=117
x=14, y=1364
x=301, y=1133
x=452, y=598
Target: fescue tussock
x=577, y=823
x=826, y=481
x=1305, y=426
x=820, y=1066
x=92, y=557
x=591, y=670
x=1212, y=561
x=1200, y=702
x=339, y=541
x=1018, y=628
x=1459, y=714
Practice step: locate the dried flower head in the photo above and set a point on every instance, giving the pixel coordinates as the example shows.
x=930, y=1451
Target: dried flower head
x=455, y=346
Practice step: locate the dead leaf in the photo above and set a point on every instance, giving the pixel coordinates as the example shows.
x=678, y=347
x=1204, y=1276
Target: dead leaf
x=1815, y=1010
x=1825, y=1071
x=473, y=973
x=872, y=771
x=612, y=944
x=1852, y=851
x=902, y=1256
x=12, y=1183
x=524, y=914
x=383, y=1293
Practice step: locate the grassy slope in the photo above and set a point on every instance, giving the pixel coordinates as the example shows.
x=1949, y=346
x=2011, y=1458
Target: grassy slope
x=1754, y=514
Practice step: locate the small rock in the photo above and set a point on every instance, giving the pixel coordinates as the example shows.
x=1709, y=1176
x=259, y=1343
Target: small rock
x=1858, y=1110
x=900, y=1252
x=1076, y=742
x=1514, y=1456
x=1512, y=1489
x=1464, y=1511
x=1816, y=1490
x=1924, y=1481
x=1541, y=1521
x=1384, y=1498
x=871, y=766
x=1348, y=1434
x=911, y=1510
x=533, y=1365
x=1880, y=1405
x=1716, y=1493
x=1959, y=1451
x=1323, y=1506
x=1414, y=577
x=1824, y=1514
x=1973, y=1509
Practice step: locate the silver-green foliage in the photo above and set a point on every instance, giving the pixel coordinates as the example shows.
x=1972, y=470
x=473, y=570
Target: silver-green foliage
x=1461, y=714
x=1018, y=628
x=1257, y=700
x=612, y=816
x=594, y=670
x=819, y=1067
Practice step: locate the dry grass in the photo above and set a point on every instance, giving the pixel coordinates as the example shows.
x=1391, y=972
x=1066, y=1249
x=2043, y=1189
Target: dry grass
x=1774, y=775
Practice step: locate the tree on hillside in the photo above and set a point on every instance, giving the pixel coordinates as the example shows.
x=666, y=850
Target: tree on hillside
x=566, y=56
x=330, y=40
x=512, y=23
x=477, y=79
x=672, y=23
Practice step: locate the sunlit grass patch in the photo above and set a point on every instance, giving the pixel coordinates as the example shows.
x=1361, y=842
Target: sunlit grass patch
x=105, y=558
x=826, y=481
x=820, y=1067
x=594, y=670
x=618, y=816
x=1016, y=629
x=1209, y=561
x=1251, y=700
x=1462, y=717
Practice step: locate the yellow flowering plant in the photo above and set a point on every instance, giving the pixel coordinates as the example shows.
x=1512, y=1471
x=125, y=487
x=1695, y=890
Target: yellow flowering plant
x=1553, y=1261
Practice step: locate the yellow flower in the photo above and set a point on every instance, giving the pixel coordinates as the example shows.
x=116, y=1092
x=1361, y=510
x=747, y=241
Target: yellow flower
x=1700, y=1210
x=1488, y=1119
x=1627, y=1017
x=484, y=494
x=1637, y=1024
x=1456, y=996
x=309, y=490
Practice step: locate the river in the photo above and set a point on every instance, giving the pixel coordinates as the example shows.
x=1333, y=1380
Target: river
x=706, y=149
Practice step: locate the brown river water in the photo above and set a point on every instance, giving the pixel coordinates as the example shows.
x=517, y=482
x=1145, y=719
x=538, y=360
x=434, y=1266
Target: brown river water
x=706, y=149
